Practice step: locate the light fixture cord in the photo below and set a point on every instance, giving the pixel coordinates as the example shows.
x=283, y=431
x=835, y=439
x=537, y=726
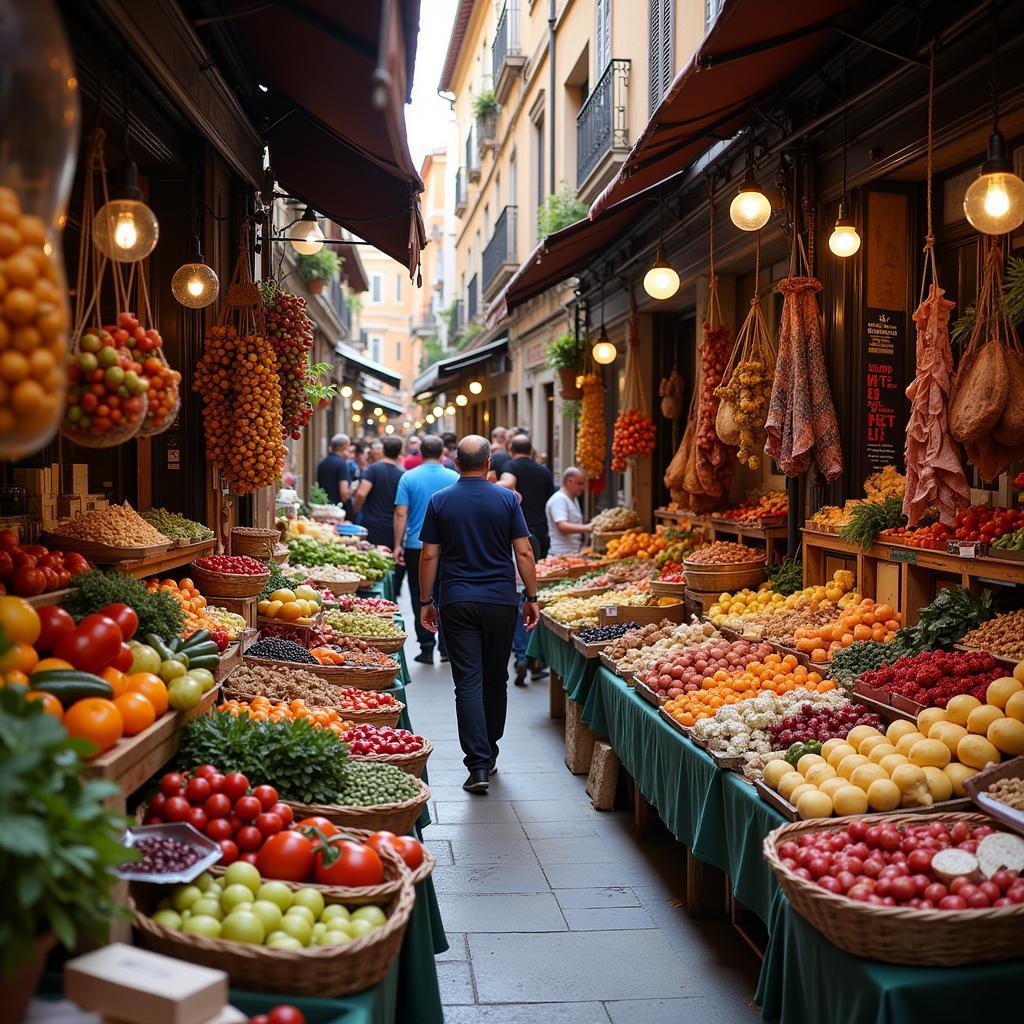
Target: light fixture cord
x=845, y=129
x=994, y=76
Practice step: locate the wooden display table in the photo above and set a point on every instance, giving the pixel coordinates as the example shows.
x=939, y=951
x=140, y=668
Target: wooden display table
x=173, y=558
x=907, y=578
x=771, y=535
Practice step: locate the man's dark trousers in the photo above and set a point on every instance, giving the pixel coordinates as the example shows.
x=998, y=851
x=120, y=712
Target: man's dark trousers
x=479, y=638
x=423, y=635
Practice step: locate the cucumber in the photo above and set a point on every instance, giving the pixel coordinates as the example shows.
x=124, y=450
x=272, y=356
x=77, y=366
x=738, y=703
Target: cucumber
x=69, y=685
x=200, y=636
x=158, y=645
x=201, y=649
x=175, y=644
x=210, y=661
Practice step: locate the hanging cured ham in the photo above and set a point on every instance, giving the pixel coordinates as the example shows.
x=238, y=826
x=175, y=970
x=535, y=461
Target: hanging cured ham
x=802, y=421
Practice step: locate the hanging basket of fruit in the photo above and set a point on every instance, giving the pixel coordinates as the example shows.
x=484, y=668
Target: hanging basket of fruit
x=291, y=334
x=590, y=437
x=106, y=401
x=634, y=432
x=238, y=380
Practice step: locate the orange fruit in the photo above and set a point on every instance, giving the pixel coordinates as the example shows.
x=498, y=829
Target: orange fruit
x=136, y=711
x=96, y=720
x=151, y=687
x=117, y=679
x=51, y=705
x=49, y=664
x=15, y=678
x=20, y=657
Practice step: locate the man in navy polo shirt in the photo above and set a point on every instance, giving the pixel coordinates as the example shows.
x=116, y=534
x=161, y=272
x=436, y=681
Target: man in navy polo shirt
x=476, y=527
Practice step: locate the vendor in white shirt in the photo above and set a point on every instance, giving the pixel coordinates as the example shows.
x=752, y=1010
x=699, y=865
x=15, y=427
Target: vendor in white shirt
x=565, y=520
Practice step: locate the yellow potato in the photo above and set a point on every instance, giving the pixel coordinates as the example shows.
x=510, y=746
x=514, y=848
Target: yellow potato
x=982, y=717
x=907, y=741
x=829, y=786
x=1015, y=705
x=948, y=733
x=960, y=707
x=883, y=795
x=839, y=752
x=814, y=805
x=880, y=751
x=789, y=782
x=1001, y=690
x=865, y=774
x=891, y=762
x=940, y=785
x=850, y=800
x=926, y=719
x=807, y=760
x=829, y=745
x=1007, y=735
x=930, y=752
x=774, y=770
x=818, y=773
x=869, y=743
x=806, y=787
x=957, y=773
x=861, y=732
x=849, y=763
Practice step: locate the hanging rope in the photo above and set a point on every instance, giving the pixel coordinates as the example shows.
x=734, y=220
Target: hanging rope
x=930, y=263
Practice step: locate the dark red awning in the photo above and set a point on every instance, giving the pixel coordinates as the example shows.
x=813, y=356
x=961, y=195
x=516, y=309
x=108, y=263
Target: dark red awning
x=750, y=50
x=334, y=124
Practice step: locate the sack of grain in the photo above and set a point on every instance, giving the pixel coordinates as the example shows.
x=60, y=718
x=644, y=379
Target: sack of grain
x=1009, y=430
x=979, y=394
x=726, y=427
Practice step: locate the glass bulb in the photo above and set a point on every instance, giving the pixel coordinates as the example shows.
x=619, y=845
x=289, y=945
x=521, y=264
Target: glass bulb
x=661, y=281
x=125, y=230
x=604, y=352
x=449, y=409
x=461, y=400
x=306, y=235
x=844, y=240
x=389, y=429
x=429, y=418
x=195, y=285
x=346, y=391
x=438, y=411
x=750, y=210
x=418, y=424
x=357, y=404
x=356, y=418
x=994, y=203
x=475, y=387
x=378, y=411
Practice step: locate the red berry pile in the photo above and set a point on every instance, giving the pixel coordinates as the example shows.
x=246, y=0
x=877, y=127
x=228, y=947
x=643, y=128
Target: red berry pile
x=933, y=678
x=237, y=565
x=291, y=333
x=372, y=739
x=369, y=605
x=672, y=572
x=820, y=723
x=891, y=865
x=224, y=807
x=986, y=523
x=353, y=699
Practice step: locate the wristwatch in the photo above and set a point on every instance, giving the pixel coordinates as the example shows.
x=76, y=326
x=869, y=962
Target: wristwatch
x=529, y=599
x=426, y=604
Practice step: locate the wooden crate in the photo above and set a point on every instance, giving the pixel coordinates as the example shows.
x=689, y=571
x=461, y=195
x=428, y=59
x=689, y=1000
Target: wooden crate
x=642, y=614
x=244, y=606
x=579, y=739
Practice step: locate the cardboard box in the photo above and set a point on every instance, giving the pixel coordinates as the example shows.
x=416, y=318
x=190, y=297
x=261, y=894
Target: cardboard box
x=35, y=481
x=139, y=987
x=228, y=1015
x=55, y=477
x=76, y=478
x=69, y=505
x=43, y=509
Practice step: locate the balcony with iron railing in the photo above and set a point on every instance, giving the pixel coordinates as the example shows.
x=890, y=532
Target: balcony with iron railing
x=472, y=155
x=507, y=60
x=602, y=131
x=499, y=262
x=471, y=299
x=461, y=191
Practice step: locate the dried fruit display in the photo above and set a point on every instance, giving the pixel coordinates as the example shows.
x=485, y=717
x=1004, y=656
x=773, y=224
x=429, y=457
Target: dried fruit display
x=590, y=438
x=291, y=333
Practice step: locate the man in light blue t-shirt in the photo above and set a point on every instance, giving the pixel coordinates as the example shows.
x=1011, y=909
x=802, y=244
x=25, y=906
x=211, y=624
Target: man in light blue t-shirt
x=415, y=489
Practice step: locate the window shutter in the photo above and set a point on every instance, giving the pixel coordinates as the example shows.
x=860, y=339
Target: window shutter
x=654, y=51
x=667, y=62
x=603, y=37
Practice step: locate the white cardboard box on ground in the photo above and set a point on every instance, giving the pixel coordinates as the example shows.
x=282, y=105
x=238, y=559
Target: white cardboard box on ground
x=123, y=983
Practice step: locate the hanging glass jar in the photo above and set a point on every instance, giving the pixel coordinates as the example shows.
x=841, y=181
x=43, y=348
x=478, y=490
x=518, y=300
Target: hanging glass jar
x=39, y=112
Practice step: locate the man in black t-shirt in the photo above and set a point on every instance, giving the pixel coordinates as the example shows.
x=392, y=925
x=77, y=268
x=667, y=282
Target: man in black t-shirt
x=534, y=483
x=333, y=473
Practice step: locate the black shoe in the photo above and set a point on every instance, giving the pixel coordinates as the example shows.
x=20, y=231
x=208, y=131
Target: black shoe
x=520, y=679
x=538, y=674
x=477, y=781
x=493, y=769
x=445, y=659
x=425, y=658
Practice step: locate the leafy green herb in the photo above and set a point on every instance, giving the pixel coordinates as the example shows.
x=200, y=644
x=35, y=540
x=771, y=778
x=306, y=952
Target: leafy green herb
x=317, y=496
x=58, y=840
x=158, y=613
x=788, y=577
x=304, y=763
x=870, y=518
x=954, y=613
x=279, y=580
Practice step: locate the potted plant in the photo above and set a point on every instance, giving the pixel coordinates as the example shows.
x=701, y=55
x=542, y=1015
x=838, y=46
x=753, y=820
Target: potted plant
x=60, y=845
x=564, y=355
x=485, y=110
x=318, y=269
x=319, y=394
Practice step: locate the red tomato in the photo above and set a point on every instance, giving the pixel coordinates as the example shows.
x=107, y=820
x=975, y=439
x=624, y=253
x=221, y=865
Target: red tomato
x=410, y=850
x=217, y=805
x=250, y=857
x=205, y=771
x=228, y=851
x=8, y=540
x=171, y=783
x=266, y=795
x=327, y=827
x=284, y=812
x=54, y=622
x=176, y=809
x=354, y=865
x=6, y=564
x=219, y=829
x=287, y=856
x=123, y=661
x=27, y=581
x=269, y=824
x=249, y=837
x=248, y=808
x=285, y=1014
x=198, y=790
x=236, y=785
x=198, y=819
x=125, y=617
x=93, y=645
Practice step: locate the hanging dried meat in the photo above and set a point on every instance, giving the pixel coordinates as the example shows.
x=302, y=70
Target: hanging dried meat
x=671, y=391
x=935, y=475
x=715, y=462
x=801, y=418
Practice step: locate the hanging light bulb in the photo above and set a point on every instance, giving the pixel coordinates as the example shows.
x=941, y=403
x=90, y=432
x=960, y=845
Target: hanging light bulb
x=418, y=424
x=125, y=230
x=438, y=411
x=357, y=404
x=750, y=210
x=356, y=418
x=389, y=429
x=475, y=387
x=604, y=352
x=661, y=281
x=430, y=417
x=378, y=411
x=449, y=409
x=461, y=400
x=195, y=285
x=994, y=201
x=306, y=235
x=346, y=391
x=369, y=422
x=844, y=240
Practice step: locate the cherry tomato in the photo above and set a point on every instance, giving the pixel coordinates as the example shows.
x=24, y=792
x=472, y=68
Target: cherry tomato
x=236, y=785
x=92, y=646
x=198, y=819
x=266, y=795
x=125, y=617
x=287, y=856
x=248, y=837
x=176, y=809
x=54, y=622
x=171, y=783
x=269, y=824
x=197, y=790
x=205, y=771
x=228, y=851
x=219, y=828
x=285, y=1014
x=250, y=857
x=284, y=812
x=217, y=805
x=247, y=808
x=123, y=661
x=327, y=827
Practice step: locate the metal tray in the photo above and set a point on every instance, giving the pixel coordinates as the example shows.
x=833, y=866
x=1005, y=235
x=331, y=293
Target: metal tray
x=184, y=833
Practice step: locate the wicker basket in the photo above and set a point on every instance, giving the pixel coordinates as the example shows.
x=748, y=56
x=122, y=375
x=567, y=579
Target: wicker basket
x=315, y=971
x=721, y=579
x=397, y=818
x=413, y=763
x=380, y=717
x=386, y=645
x=381, y=679
x=228, y=584
x=898, y=935
x=349, y=587
x=255, y=543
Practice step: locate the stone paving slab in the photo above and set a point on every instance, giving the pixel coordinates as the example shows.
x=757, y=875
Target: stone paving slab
x=484, y=851
x=596, y=899
x=455, y=982
x=527, y=1013
x=597, y=919
x=523, y=912
x=485, y=878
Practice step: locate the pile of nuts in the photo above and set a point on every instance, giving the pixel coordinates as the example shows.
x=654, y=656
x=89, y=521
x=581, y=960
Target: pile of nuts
x=612, y=519
x=723, y=552
x=637, y=638
x=294, y=684
x=780, y=626
x=1003, y=635
x=118, y=526
x=680, y=637
x=1009, y=791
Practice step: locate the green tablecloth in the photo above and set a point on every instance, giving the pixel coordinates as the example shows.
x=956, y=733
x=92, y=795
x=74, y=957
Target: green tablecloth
x=576, y=672
x=805, y=978
x=384, y=587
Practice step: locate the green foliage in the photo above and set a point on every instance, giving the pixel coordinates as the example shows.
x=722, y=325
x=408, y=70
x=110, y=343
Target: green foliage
x=279, y=579
x=572, y=409
x=560, y=209
x=788, y=577
x=354, y=301
x=954, y=613
x=485, y=104
x=58, y=839
x=324, y=265
x=317, y=496
x=302, y=761
x=870, y=518
x=564, y=352
x=472, y=331
x=1013, y=303
x=158, y=613
x=433, y=351
x=315, y=388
